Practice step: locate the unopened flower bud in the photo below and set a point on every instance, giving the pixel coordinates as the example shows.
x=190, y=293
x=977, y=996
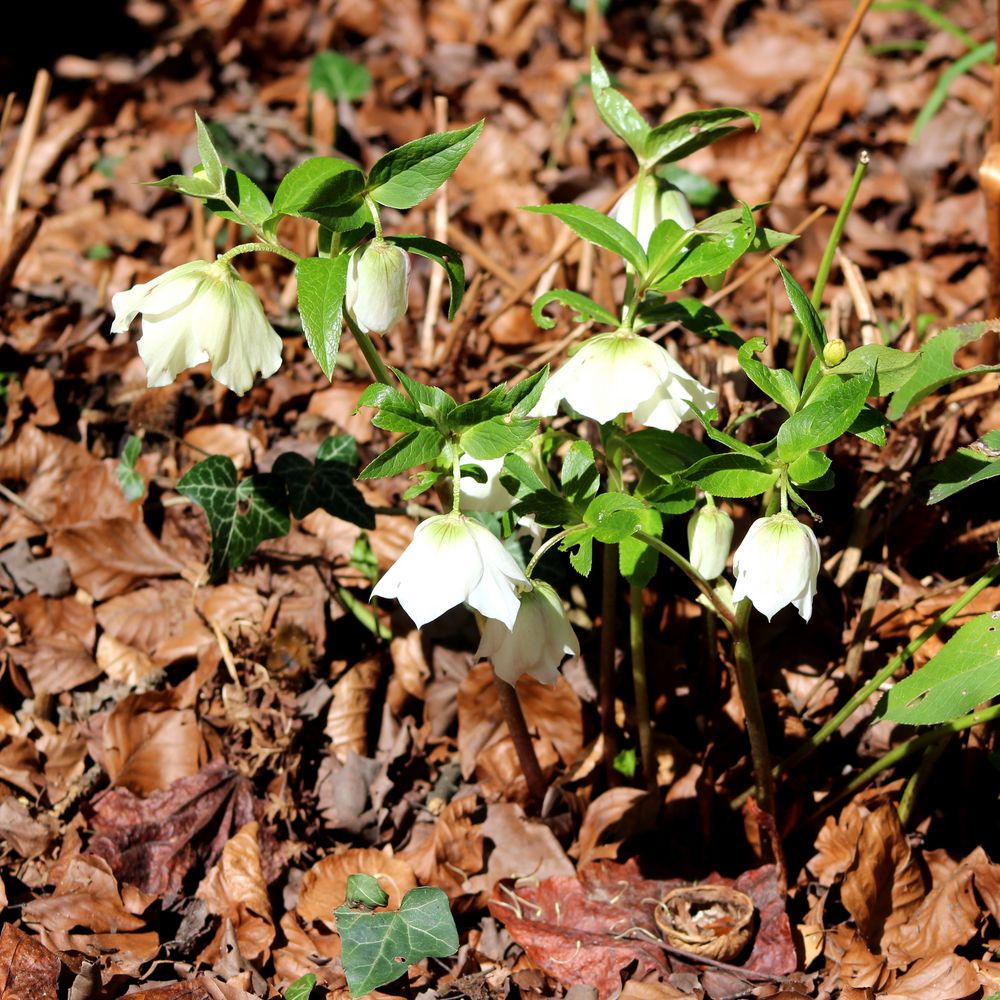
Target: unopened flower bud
x=655, y=205
x=834, y=351
x=377, y=276
x=710, y=535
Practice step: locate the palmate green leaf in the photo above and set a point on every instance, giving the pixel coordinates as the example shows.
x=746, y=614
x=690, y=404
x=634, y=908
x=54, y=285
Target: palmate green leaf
x=405, y=176
x=416, y=448
x=241, y=513
x=378, y=948
x=322, y=284
x=616, y=110
x=327, y=484
x=778, y=383
x=584, y=307
x=338, y=77
x=969, y=466
x=684, y=135
x=246, y=195
x=448, y=257
x=830, y=412
x=326, y=189
x=210, y=162
x=595, y=227
x=937, y=365
x=132, y=485
x=964, y=673
x=734, y=476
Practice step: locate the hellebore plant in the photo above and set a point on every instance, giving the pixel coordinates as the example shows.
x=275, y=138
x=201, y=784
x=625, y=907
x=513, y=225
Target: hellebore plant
x=488, y=464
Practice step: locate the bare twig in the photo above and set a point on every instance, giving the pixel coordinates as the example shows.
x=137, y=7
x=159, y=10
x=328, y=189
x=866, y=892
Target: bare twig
x=435, y=285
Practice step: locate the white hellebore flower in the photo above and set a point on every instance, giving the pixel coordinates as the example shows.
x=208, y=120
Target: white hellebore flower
x=200, y=312
x=655, y=205
x=489, y=496
x=377, y=276
x=538, y=642
x=450, y=560
x=710, y=535
x=777, y=564
x=623, y=372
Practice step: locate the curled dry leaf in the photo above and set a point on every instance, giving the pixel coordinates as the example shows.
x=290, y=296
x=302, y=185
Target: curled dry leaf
x=945, y=977
x=235, y=890
x=347, y=718
x=154, y=842
x=28, y=970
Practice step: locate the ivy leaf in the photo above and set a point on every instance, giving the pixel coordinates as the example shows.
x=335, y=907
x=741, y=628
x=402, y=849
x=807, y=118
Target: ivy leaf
x=241, y=513
x=132, y=485
x=378, y=948
x=405, y=176
x=322, y=284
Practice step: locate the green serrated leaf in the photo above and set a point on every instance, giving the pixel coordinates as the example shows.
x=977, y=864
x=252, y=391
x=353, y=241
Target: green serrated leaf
x=613, y=516
x=496, y=437
x=809, y=468
x=598, y=228
x=322, y=284
x=326, y=189
x=616, y=110
x=778, y=383
x=241, y=513
x=198, y=186
x=417, y=448
x=870, y=425
x=714, y=254
x=584, y=307
x=734, y=475
x=664, y=452
x=831, y=410
x=893, y=368
x=579, y=477
x=682, y=136
x=339, y=77
x=132, y=485
x=582, y=539
x=210, y=162
x=804, y=310
x=378, y=948
x=691, y=313
x=246, y=195
x=964, y=673
x=937, y=368
x=448, y=257
x=405, y=176
x=302, y=988
x=969, y=466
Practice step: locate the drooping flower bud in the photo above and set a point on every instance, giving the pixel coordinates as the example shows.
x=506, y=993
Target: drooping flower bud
x=450, y=560
x=200, y=312
x=538, y=642
x=834, y=351
x=656, y=203
x=377, y=277
x=777, y=564
x=710, y=535
x=624, y=372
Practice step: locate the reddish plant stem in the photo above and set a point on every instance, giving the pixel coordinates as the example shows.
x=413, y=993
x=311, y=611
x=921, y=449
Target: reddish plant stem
x=518, y=728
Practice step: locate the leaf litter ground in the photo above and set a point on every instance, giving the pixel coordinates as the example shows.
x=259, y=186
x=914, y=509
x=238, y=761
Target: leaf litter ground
x=189, y=771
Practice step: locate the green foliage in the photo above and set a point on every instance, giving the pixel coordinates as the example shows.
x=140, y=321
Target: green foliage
x=132, y=485
x=242, y=513
x=245, y=195
x=804, y=310
x=968, y=466
x=583, y=306
x=405, y=176
x=339, y=77
x=210, y=162
x=449, y=258
x=322, y=283
x=326, y=189
x=302, y=988
x=595, y=227
x=937, y=368
x=378, y=947
x=778, y=383
x=964, y=673
x=735, y=476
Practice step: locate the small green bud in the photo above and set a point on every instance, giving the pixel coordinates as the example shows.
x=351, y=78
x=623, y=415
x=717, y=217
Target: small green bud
x=377, y=276
x=834, y=352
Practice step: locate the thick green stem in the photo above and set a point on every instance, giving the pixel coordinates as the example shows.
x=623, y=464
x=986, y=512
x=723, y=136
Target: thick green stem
x=547, y=544
x=259, y=248
x=863, y=694
x=376, y=218
x=372, y=357
x=637, y=641
x=606, y=683
x=918, y=779
x=904, y=750
x=721, y=608
x=802, y=352
x=521, y=738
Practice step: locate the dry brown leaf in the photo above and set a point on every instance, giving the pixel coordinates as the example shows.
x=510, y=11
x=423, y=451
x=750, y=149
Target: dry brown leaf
x=447, y=852
x=236, y=443
x=945, y=977
x=28, y=836
x=124, y=664
x=347, y=718
x=324, y=886
x=108, y=557
x=28, y=971
x=235, y=890
x=607, y=811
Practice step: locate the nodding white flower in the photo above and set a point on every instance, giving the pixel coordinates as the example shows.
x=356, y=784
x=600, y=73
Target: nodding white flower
x=623, y=372
x=538, y=642
x=710, y=535
x=777, y=564
x=200, y=312
x=450, y=560
x=656, y=204
x=377, y=276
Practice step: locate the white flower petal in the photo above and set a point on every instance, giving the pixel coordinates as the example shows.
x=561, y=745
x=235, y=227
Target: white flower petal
x=378, y=274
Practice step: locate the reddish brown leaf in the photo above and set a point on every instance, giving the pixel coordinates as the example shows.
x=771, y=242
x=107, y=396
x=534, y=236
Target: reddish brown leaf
x=28, y=971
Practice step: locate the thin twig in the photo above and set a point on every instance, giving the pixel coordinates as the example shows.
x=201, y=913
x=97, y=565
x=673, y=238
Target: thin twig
x=436, y=282
x=14, y=174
